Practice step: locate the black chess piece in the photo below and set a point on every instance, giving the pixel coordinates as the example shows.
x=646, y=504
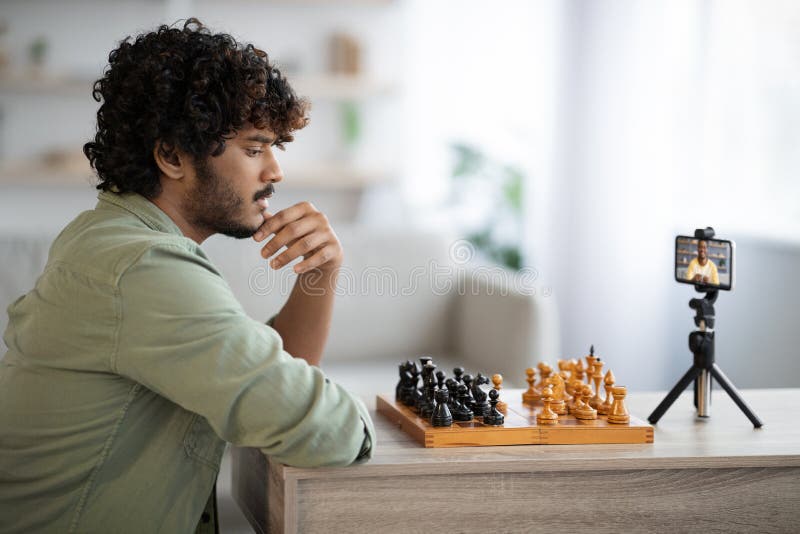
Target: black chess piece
x=441, y=414
x=402, y=384
x=458, y=372
x=479, y=403
x=429, y=388
x=462, y=411
x=494, y=417
x=452, y=390
x=440, y=379
x=467, y=381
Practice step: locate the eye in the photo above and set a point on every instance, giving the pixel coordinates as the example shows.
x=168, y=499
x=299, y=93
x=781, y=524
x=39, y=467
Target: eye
x=253, y=152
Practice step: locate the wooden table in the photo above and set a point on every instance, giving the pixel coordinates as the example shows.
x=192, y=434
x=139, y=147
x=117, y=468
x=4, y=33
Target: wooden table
x=712, y=475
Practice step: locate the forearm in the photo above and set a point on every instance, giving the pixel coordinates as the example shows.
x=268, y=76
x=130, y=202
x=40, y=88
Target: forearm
x=304, y=322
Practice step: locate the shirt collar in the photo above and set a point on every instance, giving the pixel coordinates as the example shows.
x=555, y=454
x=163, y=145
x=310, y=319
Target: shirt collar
x=145, y=210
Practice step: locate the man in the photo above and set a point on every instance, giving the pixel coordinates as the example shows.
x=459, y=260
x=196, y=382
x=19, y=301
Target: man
x=130, y=364
x=701, y=269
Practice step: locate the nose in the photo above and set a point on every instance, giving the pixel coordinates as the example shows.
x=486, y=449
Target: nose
x=272, y=170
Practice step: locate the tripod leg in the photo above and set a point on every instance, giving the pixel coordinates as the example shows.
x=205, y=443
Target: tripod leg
x=696, y=387
x=726, y=384
x=674, y=393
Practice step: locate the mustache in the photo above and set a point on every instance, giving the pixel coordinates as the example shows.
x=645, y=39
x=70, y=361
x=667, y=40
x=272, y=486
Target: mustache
x=267, y=191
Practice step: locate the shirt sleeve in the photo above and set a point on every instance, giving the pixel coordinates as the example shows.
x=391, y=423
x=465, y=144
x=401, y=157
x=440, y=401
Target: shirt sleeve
x=184, y=335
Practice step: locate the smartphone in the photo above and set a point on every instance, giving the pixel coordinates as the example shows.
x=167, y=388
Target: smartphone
x=705, y=263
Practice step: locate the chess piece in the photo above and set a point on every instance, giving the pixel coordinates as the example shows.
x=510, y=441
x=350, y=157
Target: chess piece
x=557, y=404
x=452, y=391
x=462, y=411
x=597, y=377
x=429, y=388
x=608, y=382
x=590, y=359
x=619, y=413
x=547, y=416
x=458, y=373
x=497, y=382
x=544, y=373
x=440, y=379
x=467, y=381
x=493, y=417
x=479, y=403
x=586, y=412
x=531, y=395
x=441, y=413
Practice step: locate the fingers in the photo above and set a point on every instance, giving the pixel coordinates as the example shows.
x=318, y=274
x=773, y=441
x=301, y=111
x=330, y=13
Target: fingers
x=288, y=234
x=276, y=222
x=317, y=259
x=301, y=247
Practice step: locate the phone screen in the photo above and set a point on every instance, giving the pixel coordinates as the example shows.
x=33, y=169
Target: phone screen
x=704, y=262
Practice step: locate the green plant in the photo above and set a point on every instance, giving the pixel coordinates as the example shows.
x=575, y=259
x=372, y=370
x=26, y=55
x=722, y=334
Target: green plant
x=499, y=236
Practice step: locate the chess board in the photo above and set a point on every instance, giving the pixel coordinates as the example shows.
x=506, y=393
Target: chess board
x=520, y=427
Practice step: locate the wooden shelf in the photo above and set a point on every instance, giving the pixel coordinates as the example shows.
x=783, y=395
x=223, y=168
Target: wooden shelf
x=321, y=87
x=323, y=176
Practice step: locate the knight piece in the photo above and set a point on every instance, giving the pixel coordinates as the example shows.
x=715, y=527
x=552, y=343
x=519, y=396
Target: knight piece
x=479, y=403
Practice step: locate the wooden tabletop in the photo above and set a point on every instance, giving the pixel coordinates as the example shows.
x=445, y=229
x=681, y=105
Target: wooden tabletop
x=725, y=439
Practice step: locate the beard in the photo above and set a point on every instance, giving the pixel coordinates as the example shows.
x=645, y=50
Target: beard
x=216, y=207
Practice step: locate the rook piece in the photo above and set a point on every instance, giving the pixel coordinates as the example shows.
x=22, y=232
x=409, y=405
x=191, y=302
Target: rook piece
x=494, y=417
x=547, y=416
x=497, y=382
x=619, y=413
x=441, y=414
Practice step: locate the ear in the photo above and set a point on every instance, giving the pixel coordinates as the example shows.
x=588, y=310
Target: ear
x=171, y=162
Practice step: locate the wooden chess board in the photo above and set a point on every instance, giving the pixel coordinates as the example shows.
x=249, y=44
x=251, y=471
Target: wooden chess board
x=520, y=427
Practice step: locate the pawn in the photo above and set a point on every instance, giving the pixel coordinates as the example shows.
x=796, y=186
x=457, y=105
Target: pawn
x=458, y=372
x=586, y=412
x=619, y=413
x=531, y=395
x=440, y=379
x=547, y=416
x=497, y=382
x=462, y=411
x=608, y=382
x=441, y=413
x=494, y=417
x=452, y=391
x=544, y=373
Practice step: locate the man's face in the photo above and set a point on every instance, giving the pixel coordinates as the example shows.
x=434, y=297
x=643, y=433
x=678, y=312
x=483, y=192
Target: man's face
x=702, y=250
x=230, y=191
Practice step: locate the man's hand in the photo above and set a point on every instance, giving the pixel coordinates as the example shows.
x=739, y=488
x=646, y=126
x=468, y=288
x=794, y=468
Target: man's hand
x=304, y=231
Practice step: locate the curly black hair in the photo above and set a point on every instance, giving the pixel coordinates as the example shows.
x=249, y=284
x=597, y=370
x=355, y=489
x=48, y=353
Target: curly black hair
x=183, y=88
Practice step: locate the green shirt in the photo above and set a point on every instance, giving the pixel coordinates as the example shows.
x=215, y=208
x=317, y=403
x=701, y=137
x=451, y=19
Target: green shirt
x=129, y=366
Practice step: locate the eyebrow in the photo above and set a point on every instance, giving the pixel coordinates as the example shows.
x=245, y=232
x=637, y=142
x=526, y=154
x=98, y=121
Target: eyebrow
x=259, y=138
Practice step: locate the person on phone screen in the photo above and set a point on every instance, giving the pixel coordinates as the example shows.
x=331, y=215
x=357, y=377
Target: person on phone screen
x=701, y=269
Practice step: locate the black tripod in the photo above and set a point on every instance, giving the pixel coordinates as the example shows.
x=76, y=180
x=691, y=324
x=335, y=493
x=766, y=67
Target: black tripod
x=701, y=343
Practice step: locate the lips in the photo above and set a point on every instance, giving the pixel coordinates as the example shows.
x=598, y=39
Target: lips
x=263, y=203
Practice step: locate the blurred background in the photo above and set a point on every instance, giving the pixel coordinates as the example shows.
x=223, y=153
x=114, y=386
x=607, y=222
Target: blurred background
x=571, y=138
